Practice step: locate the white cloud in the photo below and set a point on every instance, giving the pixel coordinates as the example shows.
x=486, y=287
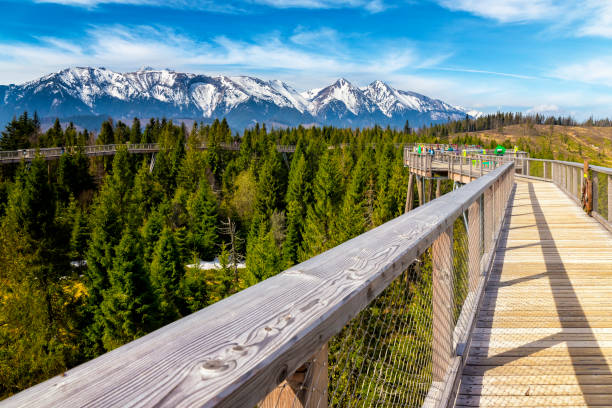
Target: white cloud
x=479, y=71
x=127, y=48
x=598, y=23
x=505, y=11
x=595, y=71
x=373, y=6
x=544, y=109
x=574, y=17
x=315, y=38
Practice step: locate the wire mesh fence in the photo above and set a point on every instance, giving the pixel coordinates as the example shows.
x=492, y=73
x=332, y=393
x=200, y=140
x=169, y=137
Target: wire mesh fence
x=601, y=192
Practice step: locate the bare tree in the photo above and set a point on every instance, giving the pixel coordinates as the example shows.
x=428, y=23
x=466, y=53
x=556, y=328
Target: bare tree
x=229, y=229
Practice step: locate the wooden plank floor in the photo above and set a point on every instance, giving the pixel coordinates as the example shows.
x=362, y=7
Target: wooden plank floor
x=543, y=336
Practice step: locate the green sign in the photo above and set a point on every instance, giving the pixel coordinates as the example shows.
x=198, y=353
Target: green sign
x=500, y=150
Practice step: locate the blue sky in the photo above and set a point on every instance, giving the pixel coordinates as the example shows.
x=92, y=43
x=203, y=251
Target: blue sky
x=552, y=56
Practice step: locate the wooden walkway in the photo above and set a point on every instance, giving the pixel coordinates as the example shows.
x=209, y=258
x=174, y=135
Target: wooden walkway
x=543, y=336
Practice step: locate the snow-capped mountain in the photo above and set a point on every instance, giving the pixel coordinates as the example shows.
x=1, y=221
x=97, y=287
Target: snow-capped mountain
x=90, y=95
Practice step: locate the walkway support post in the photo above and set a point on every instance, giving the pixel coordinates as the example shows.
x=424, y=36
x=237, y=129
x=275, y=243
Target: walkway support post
x=409, y=193
x=420, y=189
x=306, y=388
x=442, y=296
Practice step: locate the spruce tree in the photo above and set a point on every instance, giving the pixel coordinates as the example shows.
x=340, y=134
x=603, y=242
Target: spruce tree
x=128, y=307
x=19, y=133
x=152, y=231
x=352, y=220
x=270, y=184
x=135, y=131
x=203, y=236
x=167, y=272
x=109, y=216
x=296, y=209
x=263, y=257
x=320, y=214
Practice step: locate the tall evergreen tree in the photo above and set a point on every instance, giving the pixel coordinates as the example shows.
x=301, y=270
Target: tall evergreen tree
x=263, y=257
x=128, y=308
x=296, y=209
x=167, y=272
x=320, y=214
x=135, y=131
x=352, y=219
x=20, y=133
x=202, y=208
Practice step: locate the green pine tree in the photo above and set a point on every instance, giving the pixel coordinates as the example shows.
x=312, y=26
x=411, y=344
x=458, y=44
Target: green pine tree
x=319, y=217
x=202, y=207
x=263, y=256
x=167, y=272
x=128, y=306
x=297, y=191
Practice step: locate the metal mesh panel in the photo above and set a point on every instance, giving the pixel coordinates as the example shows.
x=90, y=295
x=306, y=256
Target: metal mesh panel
x=385, y=356
x=602, y=204
x=460, y=265
x=536, y=168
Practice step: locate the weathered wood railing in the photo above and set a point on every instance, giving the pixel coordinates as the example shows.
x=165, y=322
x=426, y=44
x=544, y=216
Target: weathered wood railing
x=395, y=305
x=590, y=185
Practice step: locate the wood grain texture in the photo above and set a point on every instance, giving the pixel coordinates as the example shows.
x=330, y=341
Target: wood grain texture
x=233, y=353
x=544, y=330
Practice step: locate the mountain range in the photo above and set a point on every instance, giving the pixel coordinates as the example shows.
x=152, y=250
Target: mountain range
x=87, y=96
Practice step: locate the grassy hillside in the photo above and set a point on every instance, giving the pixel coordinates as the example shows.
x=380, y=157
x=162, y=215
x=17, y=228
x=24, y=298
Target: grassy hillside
x=574, y=143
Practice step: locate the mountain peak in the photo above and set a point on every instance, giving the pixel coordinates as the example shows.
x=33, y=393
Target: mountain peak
x=343, y=82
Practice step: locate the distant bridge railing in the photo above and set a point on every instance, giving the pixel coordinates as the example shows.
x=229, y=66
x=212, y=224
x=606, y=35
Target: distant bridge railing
x=588, y=185
x=380, y=320
x=15, y=156
x=471, y=165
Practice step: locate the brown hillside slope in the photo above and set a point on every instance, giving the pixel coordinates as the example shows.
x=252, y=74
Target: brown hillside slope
x=574, y=143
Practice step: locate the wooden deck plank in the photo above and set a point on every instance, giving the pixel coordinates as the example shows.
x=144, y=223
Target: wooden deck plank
x=543, y=335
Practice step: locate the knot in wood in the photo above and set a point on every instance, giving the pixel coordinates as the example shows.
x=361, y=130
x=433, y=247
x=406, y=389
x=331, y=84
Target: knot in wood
x=283, y=374
x=211, y=368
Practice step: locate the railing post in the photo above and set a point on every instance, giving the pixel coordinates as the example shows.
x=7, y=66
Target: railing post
x=409, y=193
x=528, y=168
x=552, y=171
x=420, y=190
x=442, y=298
x=306, y=388
x=470, y=166
x=544, y=167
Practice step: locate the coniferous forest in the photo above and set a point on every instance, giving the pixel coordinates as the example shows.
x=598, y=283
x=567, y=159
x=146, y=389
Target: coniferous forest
x=98, y=251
